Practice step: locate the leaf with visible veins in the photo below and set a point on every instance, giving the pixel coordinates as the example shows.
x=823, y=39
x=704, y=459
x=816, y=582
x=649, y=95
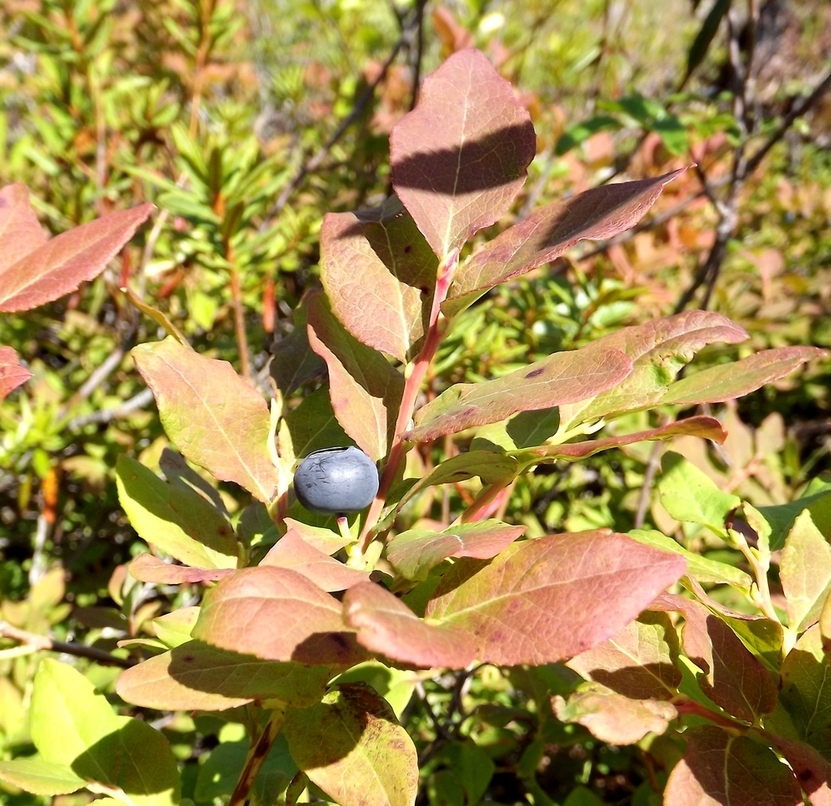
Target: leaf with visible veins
x=459, y=158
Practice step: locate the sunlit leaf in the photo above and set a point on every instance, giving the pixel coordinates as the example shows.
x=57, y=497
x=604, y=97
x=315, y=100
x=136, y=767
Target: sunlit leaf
x=352, y=747
x=12, y=374
x=550, y=232
x=805, y=572
x=213, y=416
x=34, y=271
x=459, y=158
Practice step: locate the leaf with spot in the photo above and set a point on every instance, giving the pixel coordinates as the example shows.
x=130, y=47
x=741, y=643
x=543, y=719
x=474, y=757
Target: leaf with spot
x=213, y=416
x=561, y=378
x=379, y=275
x=459, y=158
x=351, y=745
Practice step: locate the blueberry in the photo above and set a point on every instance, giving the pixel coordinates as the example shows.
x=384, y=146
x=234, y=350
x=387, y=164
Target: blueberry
x=336, y=481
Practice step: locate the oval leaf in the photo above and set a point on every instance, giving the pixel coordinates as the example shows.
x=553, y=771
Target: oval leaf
x=387, y=626
x=364, y=388
x=550, y=598
x=459, y=158
x=12, y=374
x=719, y=768
x=379, y=275
x=276, y=614
x=195, y=676
x=213, y=416
x=352, y=747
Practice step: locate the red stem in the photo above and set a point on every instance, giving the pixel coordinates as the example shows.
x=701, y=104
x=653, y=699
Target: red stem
x=414, y=374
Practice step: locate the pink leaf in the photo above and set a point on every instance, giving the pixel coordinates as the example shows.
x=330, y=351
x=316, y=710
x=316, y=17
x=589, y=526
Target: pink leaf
x=364, y=388
x=147, y=568
x=379, y=275
x=387, y=626
x=277, y=614
x=291, y=551
x=459, y=158
x=550, y=232
x=12, y=374
x=550, y=598
x=34, y=271
x=213, y=416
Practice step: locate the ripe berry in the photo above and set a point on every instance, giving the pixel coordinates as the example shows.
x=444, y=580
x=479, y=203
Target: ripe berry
x=336, y=481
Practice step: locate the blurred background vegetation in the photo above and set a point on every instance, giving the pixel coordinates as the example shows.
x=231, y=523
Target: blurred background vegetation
x=245, y=121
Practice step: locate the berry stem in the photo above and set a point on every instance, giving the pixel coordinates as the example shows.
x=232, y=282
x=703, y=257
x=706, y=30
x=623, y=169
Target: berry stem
x=414, y=374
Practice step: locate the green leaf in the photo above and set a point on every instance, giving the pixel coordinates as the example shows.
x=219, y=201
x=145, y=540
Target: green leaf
x=72, y=726
x=805, y=572
x=352, y=747
x=40, y=777
x=213, y=416
x=174, y=519
x=700, y=568
x=561, y=378
x=806, y=690
x=690, y=496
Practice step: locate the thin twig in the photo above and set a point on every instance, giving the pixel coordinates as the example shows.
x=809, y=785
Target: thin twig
x=47, y=644
x=138, y=401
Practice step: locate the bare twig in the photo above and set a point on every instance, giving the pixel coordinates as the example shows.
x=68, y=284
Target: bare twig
x=35, y=642
x=136, y=402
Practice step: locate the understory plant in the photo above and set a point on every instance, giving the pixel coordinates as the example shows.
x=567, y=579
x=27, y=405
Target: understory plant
x=312, y=630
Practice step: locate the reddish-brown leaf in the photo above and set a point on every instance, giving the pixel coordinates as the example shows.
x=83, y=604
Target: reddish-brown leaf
x=550, y=598
x=364, y=388
x=45, y=270
x=197, y=676
x=719, y=770
x=459, y=158
x=291, y=551
x=213, y=416
x=20, y=230
x=812, y=770
x=379, y=275
x=147, y=568
x=732, y=677
x=277, y=614
x=561, y=378
x=550, y=232
x=12, y=374
x=698, y=425
x=387, y=626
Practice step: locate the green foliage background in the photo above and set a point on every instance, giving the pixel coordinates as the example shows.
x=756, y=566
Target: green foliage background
x=244, y=122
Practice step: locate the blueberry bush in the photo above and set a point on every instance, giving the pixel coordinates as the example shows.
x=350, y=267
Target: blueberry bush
x=346, y=587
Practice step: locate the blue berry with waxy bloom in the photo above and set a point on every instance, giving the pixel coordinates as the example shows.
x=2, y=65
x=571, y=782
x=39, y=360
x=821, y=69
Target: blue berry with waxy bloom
x=336, y=481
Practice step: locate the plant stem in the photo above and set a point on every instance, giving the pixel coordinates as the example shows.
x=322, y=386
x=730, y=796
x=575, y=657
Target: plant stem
x=32, y=642
x=257, y=754
x=414, y=375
